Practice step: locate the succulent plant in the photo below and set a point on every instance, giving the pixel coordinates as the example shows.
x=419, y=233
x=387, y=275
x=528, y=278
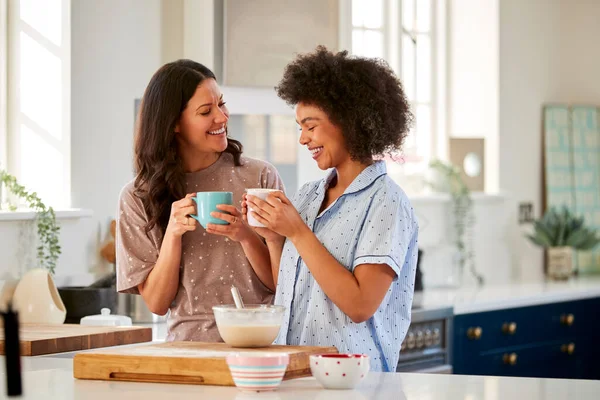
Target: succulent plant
x=560, y=227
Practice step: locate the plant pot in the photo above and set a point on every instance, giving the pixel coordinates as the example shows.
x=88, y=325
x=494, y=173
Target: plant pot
x=559, y=262
x=37, y=300
x=83, y=301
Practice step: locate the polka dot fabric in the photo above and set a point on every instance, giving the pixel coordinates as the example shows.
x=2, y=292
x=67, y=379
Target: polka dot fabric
x=371, y=223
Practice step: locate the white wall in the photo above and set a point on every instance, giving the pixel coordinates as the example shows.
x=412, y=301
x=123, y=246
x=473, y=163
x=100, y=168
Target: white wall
x=116, y=47
x=547, y=54
x=473, y=77
x=579, y=60
x=79, y=239
x=3, y=83
x=436, y=238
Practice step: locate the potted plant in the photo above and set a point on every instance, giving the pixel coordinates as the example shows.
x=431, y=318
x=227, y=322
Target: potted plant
x=447, y=178
x=79, y=301
x=35, y=296
x=560, y=232
x=48, y=230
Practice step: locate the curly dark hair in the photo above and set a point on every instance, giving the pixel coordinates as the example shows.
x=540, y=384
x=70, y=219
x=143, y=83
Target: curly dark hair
x=160, y=178
x=360, y=95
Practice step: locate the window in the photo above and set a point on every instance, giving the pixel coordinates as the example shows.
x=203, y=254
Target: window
x=403, y=33
x=368, y=28
x=267, y=128
x=270, y=137
x=3, y=83
x=38, y=97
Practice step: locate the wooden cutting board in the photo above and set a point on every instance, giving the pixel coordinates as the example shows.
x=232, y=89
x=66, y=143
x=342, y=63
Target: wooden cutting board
x=181, y=362
x=39, y=339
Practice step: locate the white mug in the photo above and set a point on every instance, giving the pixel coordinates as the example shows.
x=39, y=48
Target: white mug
x=261, y=194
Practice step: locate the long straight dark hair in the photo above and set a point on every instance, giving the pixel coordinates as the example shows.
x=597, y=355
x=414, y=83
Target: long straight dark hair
x=160, y=178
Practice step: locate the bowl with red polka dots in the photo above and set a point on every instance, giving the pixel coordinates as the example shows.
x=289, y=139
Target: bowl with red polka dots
x=339, y=371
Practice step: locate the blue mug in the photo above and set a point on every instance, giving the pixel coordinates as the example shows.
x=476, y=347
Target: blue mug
x=207, y=202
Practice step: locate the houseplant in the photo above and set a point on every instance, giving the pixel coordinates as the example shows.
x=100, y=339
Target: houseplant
x=78, y=301
x=35, y=296
x=48, y=230
x=448, y=179
x=560, y=232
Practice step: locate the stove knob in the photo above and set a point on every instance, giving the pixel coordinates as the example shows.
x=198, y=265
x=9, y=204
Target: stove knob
x=428, y=338
x=410, y=341
x=420, y=339
x=436, y=336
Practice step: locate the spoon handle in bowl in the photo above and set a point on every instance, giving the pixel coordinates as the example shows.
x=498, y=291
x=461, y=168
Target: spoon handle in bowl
x=237, y=298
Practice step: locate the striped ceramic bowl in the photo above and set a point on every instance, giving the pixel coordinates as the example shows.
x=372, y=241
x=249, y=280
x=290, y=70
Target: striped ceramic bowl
x=257, y=371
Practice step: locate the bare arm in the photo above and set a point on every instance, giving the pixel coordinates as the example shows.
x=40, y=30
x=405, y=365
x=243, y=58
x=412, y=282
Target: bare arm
x=357, y=294
x=274, y=246
x=258, y=256
x=160, y=287
x=275, y=250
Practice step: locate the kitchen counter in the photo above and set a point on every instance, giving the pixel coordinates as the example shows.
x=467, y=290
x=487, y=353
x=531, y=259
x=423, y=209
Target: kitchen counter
x=58, y=383
x=491, y=297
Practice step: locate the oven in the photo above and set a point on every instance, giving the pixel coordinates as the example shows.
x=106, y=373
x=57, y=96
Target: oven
x=427, y=345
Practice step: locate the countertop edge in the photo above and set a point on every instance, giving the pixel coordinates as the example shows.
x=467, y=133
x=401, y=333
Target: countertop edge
x=538, y=299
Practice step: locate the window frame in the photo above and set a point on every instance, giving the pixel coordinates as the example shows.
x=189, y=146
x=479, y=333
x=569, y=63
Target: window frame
x=12, y=138
x=394, y=31
x=4, y=84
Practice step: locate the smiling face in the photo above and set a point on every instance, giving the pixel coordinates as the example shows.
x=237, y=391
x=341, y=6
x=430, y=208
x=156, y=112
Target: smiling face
x=203, y=122
x=323, y=139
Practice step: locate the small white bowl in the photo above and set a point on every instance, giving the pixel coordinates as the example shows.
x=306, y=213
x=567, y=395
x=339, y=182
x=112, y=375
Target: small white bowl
x=339, y=371
x=255, y=325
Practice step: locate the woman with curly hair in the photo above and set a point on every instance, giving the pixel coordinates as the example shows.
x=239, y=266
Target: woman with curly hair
x=181, y=148
x=344, y=250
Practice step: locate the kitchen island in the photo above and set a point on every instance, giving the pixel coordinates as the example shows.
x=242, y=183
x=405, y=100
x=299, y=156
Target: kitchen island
x=50, y=378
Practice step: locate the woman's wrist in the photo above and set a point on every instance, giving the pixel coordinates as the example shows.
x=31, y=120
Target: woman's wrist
x=277, y=241
x=299, y=233
x=249, y=236
x=170, y=236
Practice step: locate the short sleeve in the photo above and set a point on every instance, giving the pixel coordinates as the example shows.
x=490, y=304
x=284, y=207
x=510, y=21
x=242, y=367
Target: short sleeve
x=270, y=178
x=389, y=232
x=137, y=251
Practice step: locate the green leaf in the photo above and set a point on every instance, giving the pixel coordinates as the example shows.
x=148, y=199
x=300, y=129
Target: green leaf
x=47, y=228
x=540, y=241
x=545, y=232
x=577, y=238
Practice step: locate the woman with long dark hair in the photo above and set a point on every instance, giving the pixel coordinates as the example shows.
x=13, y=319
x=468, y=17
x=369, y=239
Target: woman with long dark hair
x=182, y=147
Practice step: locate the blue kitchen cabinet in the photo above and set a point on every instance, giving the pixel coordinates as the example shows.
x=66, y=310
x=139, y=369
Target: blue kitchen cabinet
x=557, y=340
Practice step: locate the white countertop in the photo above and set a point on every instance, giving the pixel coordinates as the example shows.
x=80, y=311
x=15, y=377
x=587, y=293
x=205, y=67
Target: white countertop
x=58, y=383
x=491, y=297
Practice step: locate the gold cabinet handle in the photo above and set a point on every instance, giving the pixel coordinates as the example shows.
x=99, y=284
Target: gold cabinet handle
x=510, y=359
x=567, y=319
x=509, y=328
x=474, y=333
x=568, y=348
